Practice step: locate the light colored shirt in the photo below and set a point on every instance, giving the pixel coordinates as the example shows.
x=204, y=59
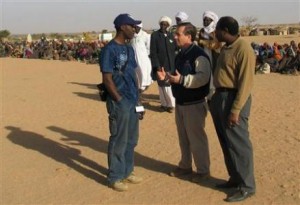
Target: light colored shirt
x=235, y=69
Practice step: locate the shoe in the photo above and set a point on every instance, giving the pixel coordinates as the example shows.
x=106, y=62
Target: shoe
x=169, y=109
x=240, y=195
x=163, y=108
x=227, y=185
x=133, y=179
x=180, y=172
x=198, y=178
x=119, y=186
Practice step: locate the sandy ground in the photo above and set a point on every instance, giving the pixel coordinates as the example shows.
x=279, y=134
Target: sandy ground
x=54, y=138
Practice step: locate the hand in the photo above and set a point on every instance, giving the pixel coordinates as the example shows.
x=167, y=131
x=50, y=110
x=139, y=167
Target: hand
x=161, y=74
x=233, y=119
x=174, y=78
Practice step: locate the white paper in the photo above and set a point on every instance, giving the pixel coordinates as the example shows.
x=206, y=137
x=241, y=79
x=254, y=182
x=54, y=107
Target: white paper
x=139, y=108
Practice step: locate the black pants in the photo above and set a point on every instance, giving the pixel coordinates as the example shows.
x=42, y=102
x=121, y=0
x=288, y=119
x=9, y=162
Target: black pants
x=234, y=141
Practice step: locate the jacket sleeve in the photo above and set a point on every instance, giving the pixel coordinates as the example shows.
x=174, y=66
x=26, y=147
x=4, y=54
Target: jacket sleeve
x=202, y=75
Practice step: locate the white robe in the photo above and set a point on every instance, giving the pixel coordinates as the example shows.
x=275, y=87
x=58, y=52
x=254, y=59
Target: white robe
x=141, y=46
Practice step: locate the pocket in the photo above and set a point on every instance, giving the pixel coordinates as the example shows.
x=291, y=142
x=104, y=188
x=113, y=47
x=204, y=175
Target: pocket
x=112, y=125
x=245, y=111
x=122, y=105
x=112, y=117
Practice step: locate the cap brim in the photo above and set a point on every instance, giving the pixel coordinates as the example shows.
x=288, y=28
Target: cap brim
x=137, y=22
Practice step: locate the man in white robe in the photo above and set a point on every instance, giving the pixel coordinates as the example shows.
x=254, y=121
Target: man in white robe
x=141, y=46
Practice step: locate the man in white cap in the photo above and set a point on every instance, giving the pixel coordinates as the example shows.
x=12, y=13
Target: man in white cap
x=181, y=17
x=141, y=46
x=209, y=42
x=162, y=54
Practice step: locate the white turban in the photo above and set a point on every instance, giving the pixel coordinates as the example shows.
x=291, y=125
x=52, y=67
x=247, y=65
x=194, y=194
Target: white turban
x=182, y=16
x=214, y=17
x=166, y=19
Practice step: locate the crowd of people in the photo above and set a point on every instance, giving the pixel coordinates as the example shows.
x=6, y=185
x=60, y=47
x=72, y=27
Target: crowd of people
x=53, y=50
x=277, y=58
x=196, y=72
x=283, y=59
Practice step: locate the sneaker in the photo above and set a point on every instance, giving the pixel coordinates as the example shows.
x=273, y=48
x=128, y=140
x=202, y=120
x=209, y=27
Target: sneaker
x=198, y=178
x=119, y=186
x=133, y=179
x=180, y=172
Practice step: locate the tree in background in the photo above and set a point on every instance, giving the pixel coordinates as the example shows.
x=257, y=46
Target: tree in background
x=4, y=34
x=56, y=36
x=250, y=22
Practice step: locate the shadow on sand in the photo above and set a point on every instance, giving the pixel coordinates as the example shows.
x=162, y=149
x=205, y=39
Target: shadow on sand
x=100, y=145
x=58, y=152
x=72, y=157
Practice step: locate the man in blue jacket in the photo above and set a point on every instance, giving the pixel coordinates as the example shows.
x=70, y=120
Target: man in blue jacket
x=190, y=86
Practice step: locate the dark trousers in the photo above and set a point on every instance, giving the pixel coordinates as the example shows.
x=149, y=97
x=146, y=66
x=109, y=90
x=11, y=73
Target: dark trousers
x=234, y=141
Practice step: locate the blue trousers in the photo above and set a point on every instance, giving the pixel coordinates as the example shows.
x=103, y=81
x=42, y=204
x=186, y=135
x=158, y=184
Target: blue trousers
x=234, y=141
x=124, y=130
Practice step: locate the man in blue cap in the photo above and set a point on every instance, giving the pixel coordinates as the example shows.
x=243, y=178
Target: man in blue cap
x=117, y=64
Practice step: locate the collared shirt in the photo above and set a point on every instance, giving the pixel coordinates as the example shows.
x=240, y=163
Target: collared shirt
x=235, y=69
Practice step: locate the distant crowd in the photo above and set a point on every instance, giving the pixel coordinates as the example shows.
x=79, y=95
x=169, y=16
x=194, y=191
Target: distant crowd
x=283, y=59
x=87, y=52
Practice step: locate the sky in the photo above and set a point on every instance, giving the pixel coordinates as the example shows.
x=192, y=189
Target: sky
x=72, y=16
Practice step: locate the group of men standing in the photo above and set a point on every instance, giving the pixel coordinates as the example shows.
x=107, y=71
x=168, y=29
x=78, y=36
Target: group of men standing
x=185, y=73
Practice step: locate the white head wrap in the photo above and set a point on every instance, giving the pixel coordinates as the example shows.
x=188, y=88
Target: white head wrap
x=167, y=19
x=182, y=16
x=212, y=26
x=139, y=33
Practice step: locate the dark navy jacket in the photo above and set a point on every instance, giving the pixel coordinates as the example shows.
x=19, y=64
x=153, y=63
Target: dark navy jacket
x=185, y=64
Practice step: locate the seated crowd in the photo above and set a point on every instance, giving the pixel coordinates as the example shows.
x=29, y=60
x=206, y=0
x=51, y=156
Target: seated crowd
x=283, y=59
x=270, y=58
x=53, y=50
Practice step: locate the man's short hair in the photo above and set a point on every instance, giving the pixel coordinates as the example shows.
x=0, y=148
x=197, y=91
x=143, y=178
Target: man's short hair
x=189, y=29
x=229, y=24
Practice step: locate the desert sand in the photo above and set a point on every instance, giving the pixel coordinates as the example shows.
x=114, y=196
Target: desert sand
x=54, y=139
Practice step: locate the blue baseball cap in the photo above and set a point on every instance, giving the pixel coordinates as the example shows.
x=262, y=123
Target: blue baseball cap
x=125, y=19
